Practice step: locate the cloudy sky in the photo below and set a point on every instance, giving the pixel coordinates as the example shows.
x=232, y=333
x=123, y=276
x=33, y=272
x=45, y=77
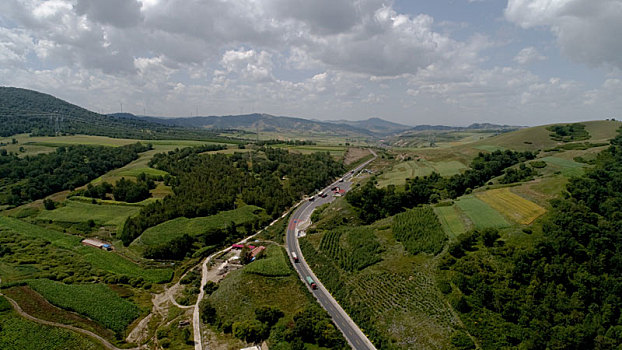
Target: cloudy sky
x=451, y=62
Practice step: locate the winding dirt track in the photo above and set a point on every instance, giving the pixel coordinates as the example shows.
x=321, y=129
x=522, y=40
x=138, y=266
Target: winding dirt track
x=90, y=334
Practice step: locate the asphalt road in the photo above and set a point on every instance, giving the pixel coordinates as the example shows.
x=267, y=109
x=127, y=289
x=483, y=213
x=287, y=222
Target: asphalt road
x=350, y=330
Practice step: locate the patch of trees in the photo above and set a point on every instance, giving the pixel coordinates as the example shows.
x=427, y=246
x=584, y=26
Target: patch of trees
x=375, y=203
x=34, y=177
x=564, y=292
x=311, y=325
x=207, y=184
x=568, y=132
x=523, y=173
x=123, y=190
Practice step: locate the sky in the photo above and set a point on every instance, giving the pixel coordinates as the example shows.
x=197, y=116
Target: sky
x=452, y=62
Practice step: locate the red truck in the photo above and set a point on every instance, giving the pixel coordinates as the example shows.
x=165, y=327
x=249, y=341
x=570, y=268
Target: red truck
x=295, y=257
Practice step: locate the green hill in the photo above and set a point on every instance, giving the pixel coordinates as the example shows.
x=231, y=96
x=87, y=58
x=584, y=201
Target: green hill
x=538, y=137
x=27, y=111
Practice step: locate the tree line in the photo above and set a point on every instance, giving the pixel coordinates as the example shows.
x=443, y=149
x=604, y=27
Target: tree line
x=376, y=203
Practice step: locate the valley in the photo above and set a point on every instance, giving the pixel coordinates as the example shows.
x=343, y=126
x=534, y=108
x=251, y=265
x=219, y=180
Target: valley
x=427, y=238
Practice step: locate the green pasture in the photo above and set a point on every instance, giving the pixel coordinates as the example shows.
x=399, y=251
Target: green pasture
x=101, y=214
x=273, y=264
x=413, y=168
x=567, y=167
x=108, y=261
x=171, y=229
x=450, y=220
x=480, y=213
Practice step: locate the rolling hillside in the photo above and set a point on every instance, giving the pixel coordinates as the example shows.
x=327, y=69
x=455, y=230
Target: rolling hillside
x=537, y=137
x=28, y=111
x=263, y=123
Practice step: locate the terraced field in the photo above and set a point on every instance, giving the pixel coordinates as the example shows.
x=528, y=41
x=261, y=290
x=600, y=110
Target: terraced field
x=513, y=206
x=480, y=213
x=450, y=220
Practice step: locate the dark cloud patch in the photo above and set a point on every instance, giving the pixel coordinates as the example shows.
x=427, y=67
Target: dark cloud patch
x=118, y=13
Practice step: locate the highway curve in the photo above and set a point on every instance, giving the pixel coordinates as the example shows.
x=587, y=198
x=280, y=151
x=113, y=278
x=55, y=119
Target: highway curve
x=355, y=337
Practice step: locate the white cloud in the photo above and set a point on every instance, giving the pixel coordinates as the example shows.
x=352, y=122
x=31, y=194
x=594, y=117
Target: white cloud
x=586, y=30
x=249, y=64
x=528, y=55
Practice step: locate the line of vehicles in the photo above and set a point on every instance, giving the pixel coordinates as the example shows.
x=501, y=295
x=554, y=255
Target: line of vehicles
x=309, y=280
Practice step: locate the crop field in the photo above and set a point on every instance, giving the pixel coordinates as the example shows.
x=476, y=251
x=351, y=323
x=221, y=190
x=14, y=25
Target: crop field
x=450, y=220
x=17, y=333
x=568, y=167
x=274, y=264
x=419, y=231
x=413, y=168
x=353, y=248
x=513, y=206
x=168, y=230
x=35, y=305
x=76, y=211
x=480, y=213
x=107, y=261
x=393, y=301
x=95, y=301
x=410, y=307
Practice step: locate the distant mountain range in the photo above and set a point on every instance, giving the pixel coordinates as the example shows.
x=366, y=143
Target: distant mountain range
x=373, y=127
x=28, y=111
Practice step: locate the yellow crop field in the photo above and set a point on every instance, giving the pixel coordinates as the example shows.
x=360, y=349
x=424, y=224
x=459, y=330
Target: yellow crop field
x=513, y=206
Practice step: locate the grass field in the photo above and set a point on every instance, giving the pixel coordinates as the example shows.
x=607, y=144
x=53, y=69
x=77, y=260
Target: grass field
x=567, y=167
x=107, y=261
x=274, y=264
x=103, y=215
x=414, y=168
x=17, y=333
x=168, y=230
x=450, y=219
x=96, y=301
x=480, y=213
x=241, y=293
x=513, y=206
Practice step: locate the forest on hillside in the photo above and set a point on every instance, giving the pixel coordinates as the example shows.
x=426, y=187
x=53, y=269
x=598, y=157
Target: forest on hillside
x=26, y=111
x=34, y=177
x=205, y=184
